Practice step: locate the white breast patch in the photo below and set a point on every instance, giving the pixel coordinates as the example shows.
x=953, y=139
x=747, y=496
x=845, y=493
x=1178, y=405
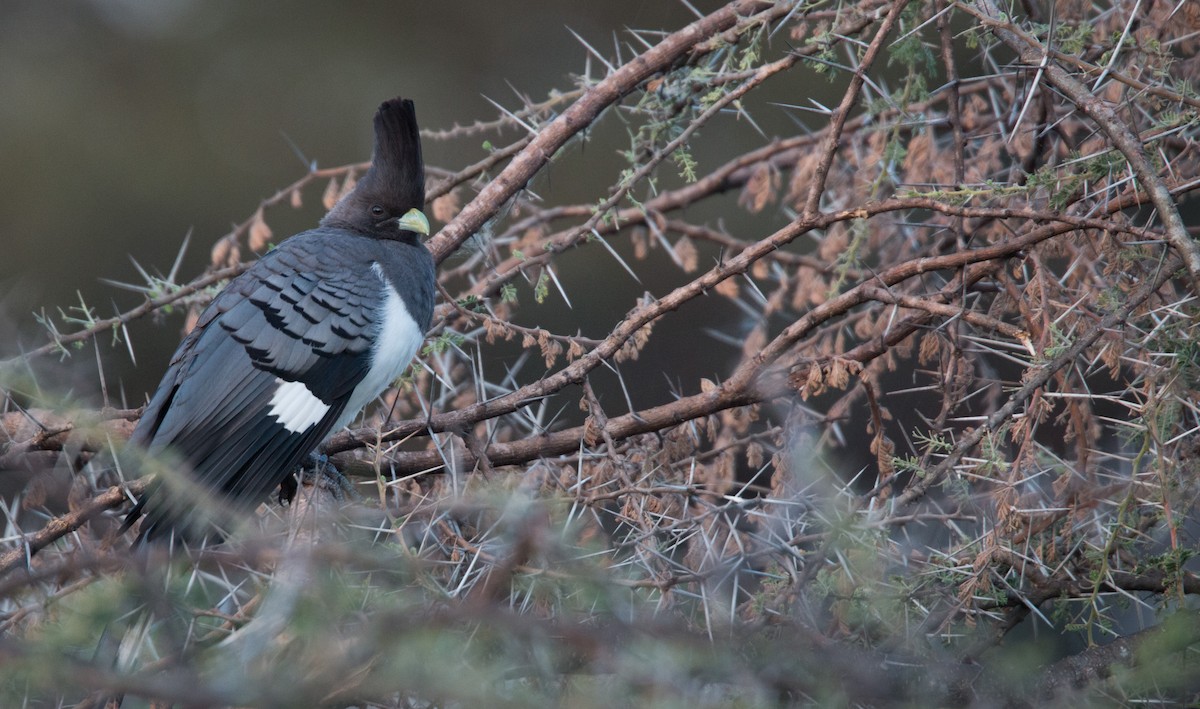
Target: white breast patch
x=396, y=341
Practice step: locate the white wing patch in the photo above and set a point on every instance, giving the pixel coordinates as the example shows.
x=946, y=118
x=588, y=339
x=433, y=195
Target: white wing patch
x=396, y=341
x=295, y=407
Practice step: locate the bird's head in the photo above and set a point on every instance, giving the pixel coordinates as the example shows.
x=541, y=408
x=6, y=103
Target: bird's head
x=386, y=203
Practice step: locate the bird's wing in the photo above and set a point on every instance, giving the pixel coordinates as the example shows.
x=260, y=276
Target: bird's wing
x=262, y=379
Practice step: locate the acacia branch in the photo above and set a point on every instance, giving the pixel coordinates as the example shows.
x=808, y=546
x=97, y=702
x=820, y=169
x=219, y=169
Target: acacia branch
x=1032, y=383
x=59, y=527
x=585, y=110
x=813, y=203
x=738, y=389
x=1119, y=133
x=115, y=322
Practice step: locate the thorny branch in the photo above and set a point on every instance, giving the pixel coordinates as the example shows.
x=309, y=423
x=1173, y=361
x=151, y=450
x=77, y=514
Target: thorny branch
x=1118, y=132
x=930, y=376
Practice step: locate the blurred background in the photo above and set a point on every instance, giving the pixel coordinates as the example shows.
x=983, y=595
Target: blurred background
x=127, y=125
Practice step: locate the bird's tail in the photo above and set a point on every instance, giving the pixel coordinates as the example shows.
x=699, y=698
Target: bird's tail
x=120, y=648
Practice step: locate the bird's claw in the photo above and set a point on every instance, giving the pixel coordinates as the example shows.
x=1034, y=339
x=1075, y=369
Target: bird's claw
x=319, y=472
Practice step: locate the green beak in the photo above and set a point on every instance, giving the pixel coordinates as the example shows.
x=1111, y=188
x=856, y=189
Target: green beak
x=415, y=220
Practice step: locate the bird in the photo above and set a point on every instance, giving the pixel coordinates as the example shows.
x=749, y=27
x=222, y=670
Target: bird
x=292, y=349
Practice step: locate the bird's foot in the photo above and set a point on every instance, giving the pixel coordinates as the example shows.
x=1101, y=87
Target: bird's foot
x=317, y=471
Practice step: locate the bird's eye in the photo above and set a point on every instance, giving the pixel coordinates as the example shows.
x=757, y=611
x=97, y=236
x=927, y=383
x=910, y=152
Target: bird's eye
x=377, y=211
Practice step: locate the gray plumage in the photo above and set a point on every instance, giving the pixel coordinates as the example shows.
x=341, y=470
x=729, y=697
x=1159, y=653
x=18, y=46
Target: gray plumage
x=282, y=354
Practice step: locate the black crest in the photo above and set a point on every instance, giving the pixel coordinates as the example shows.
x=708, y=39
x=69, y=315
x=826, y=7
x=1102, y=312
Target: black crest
x=396, y=167
x=396, y=178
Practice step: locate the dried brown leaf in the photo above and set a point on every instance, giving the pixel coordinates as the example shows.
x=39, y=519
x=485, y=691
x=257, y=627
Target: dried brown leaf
x=759, y=189
x=838, y=376
x=918, y=161
x=931, y=348
x=348, y=185
x=640, y=247
x=260, y=233
x=220, y=253
x=728, y=288
x=802, y=177
x=495, y=329
x=687, y=254
x=814, y=384
x=754, y=455
x=193, y=317
x=755, y=341
x=760, y=270
x=446, y=207
x=837, y=238
x=551, y=349
x=330, y=196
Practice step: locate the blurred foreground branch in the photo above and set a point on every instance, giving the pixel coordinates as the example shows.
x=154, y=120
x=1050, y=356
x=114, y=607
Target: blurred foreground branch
x=802, y=405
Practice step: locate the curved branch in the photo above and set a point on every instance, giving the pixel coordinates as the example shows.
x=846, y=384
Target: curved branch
x=584, y=111
x=1121, y=135
x=149, y=306
x=60, y=527
x=1032, y=383
x=642, y=315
